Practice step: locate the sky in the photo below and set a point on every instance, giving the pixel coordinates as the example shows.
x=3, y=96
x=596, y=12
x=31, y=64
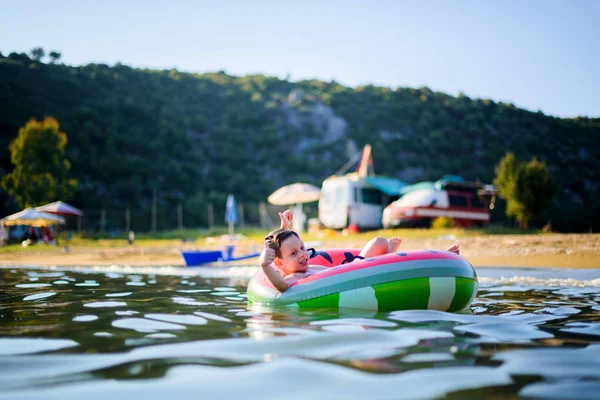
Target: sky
x=537, y=54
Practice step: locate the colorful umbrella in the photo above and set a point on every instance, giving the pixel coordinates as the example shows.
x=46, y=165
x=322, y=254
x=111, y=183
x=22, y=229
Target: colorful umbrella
x=32, y=217
x=60, y=208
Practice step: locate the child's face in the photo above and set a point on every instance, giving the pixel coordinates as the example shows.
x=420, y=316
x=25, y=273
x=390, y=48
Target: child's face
x=294, y=257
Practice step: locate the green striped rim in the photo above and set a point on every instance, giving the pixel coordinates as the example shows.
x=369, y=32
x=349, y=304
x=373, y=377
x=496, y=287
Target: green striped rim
x=466, y=289
x=412, y=294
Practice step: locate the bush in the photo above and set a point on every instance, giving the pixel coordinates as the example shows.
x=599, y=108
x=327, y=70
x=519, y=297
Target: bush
x=442, y=222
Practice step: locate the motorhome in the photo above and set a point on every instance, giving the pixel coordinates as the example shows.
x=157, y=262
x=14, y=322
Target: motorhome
x=357, y=198
x=467, y=203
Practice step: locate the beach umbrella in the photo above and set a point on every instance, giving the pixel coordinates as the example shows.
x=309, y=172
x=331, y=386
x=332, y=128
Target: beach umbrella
x=231, y=216
x=32, y=217
x=296, y=193
x=60, y=208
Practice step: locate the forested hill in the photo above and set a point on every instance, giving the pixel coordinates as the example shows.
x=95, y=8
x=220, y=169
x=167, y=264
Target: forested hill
x=196, y=137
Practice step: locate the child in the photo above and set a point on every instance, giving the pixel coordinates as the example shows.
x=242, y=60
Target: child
x=285, y=260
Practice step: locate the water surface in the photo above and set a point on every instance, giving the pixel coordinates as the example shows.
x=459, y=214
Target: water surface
x=116, y=332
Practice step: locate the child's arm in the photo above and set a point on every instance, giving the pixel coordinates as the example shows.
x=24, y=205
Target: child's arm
x=266, y=259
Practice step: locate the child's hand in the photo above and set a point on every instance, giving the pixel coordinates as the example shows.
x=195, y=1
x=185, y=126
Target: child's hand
x=286, y=219
x=267, y=256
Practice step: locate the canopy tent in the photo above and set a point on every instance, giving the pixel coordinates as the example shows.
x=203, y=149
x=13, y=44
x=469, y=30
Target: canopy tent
x=32, y=217
x=389, y=186
x=296, y=193
x=60, y=208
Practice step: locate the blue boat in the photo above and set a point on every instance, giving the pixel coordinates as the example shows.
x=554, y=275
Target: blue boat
x=202, y=257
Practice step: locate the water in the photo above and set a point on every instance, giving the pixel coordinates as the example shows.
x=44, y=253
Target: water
x=124, y=333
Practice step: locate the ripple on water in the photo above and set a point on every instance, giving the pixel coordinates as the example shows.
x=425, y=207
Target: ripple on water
x=11, y=346
x=504, y=332
x=178, y=319
x=105, y=304
x=32, y=285
x=214, y=317
x=412, y=354
x=126, y=312
x=583, y=328
x=558, y=310
x=362, y=322
x=341, y=382
x=161, y=336
x=563, y=390
x=191, y=302
x=39, y=296
x=122, y=294
x=88, y=283
x=552, y=363
x=145, y=325
x=85, y=318
x=103, y=334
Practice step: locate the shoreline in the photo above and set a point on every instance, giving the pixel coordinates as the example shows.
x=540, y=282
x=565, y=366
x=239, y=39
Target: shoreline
x=542, y=251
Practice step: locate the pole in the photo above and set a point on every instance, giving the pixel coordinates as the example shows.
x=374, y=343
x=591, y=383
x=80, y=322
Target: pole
x=211, y=217
x=154, y=196
x=179, y=217
x=102, y=220
x=127, y=220
x=241, y=214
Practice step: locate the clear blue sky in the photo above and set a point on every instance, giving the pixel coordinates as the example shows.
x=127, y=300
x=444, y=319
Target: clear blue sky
x=538, y=54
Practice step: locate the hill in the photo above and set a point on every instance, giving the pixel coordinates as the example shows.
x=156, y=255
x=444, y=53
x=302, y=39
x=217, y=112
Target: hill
x=194, y=138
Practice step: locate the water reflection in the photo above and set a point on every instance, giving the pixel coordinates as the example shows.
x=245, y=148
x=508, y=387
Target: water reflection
x=67, y=334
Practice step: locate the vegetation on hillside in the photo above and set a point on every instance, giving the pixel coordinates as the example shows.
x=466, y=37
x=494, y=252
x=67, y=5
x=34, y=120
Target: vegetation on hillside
x=194, y=138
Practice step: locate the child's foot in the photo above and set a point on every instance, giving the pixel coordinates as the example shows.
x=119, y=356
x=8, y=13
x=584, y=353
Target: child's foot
x=453, y=249
x=394, y=244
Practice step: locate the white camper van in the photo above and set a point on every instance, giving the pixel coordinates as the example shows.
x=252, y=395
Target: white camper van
x=354, y=200
x=357, y=198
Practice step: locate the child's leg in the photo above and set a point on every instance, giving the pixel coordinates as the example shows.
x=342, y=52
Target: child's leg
x=379, y=246
x=453, y=249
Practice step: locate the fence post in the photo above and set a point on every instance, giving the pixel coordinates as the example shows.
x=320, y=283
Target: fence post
x=241, y=215
x=102, y=220
x=179, y=217
x=154, y=210
x=265, y=218
x=127, y=220
x=211, y=217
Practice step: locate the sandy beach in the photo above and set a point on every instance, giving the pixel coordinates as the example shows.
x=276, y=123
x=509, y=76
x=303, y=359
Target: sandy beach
x=551, y=251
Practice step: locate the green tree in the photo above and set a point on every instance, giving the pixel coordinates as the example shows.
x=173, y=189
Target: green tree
x=38, y=53
x=527, y=187
x=40, y=173
x=54, y=56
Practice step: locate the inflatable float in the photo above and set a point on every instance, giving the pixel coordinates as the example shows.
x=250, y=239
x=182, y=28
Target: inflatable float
x=427, y=279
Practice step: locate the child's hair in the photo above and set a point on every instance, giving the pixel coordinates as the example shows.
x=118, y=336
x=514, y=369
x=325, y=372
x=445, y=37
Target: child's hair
x=276, y=238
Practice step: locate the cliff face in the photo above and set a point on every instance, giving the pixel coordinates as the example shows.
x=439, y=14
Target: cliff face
x=200, y=137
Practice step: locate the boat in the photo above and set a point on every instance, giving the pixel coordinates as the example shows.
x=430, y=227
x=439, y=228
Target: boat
x=426, y=279
x=194, y=258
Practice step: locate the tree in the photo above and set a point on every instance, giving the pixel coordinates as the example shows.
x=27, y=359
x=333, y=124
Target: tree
x=527, y=187
x=41, y=168
x=38, y=53
x=54, y=56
